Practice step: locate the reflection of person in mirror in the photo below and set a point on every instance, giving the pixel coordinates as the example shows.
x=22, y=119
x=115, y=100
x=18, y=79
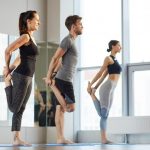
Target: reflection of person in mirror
x=19, y=83
x=39, y=103
x=111, y=67
x=62, y=85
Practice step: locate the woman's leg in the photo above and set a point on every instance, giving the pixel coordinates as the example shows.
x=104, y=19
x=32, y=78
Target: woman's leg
x=17, y=118
x=103, y=125
x=105, y=92
x=102, y=113
x=16, y=93
x=8, y=89
x=96, y=102
x=17, y=96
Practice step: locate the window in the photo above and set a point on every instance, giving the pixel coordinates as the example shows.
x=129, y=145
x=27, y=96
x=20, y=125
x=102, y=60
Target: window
x=139, y=90
x=102, y=23
x=139, y=30
x=3, y=102
x=140, y=57
x=141, y=93
x=3, y=45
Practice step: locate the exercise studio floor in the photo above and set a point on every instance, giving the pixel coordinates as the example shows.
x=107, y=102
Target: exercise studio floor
x=80, y=146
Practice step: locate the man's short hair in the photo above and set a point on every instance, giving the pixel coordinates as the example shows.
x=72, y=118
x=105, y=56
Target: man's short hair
x=70, y=20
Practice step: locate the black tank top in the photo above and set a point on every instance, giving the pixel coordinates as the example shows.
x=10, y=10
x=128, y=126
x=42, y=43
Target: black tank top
x=114, y=68
x=28, y=55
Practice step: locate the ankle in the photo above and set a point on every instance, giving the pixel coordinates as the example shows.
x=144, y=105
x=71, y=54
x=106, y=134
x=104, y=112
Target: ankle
x=16, y=137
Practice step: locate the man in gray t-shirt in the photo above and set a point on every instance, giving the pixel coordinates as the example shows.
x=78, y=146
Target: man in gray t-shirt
x=69, y=60
x=63, y=72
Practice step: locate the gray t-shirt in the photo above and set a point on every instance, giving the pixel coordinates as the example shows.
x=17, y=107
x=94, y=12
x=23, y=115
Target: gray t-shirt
x=69, y=59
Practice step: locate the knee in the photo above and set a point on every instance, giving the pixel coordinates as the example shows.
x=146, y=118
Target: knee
x=17, y=110
x=13, y=110
x=57, y=120
x=104, y=113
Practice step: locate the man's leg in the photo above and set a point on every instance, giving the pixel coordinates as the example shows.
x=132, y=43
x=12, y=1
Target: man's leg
x=59, y=121
x=59, y=97
x=64, y=93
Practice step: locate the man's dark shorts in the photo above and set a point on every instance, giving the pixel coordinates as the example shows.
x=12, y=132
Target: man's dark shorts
x=66, y=89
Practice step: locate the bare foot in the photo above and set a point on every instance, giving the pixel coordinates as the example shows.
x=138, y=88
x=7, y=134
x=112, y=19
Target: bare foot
x=64, y=141
x=69, y=141
x=93, y=94
x=89, y=89
x=106, y=142
x=18, y=142
x=93, y=91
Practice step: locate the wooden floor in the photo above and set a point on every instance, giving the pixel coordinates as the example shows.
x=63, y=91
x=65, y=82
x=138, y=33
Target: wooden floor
x=78, y=147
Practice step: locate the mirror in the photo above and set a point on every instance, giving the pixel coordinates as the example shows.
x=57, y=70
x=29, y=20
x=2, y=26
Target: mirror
x=45, y=106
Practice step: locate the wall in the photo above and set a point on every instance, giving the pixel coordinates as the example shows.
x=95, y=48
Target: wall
x=53, y=21
x=56, y=15
x=9, y=16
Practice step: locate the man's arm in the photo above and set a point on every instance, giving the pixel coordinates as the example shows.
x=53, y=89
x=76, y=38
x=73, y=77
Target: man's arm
x=54, y=64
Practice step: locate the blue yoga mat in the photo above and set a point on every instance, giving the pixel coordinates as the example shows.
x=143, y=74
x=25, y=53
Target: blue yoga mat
x=53, y=144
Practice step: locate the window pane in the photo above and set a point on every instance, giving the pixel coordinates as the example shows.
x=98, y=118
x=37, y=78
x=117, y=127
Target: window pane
x=3, y=45
x=139, y=30
x=3, y=103
x=141, y=93
x=89, y=117
x=102, y=23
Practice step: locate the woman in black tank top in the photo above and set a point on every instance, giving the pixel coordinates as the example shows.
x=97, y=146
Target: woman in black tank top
x=23, y=69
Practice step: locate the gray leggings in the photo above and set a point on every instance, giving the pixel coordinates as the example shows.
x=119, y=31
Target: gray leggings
x=17, y=96
x=106, y=98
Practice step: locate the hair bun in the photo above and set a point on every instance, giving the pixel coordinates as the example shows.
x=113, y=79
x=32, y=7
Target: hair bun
x=108, y=50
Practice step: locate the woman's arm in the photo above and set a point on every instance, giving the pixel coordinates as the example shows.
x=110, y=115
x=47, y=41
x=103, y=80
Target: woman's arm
x=15, y=63
x=100, y=75
x=12, y=47
x=101, y=71
x=101, y=79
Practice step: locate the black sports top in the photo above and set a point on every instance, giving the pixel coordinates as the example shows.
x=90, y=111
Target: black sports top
x=28, y=55
x=114, y=68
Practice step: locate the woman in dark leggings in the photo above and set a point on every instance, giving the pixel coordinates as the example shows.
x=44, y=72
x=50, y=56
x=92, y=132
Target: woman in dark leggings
x=111, y=68
x=19, y=84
